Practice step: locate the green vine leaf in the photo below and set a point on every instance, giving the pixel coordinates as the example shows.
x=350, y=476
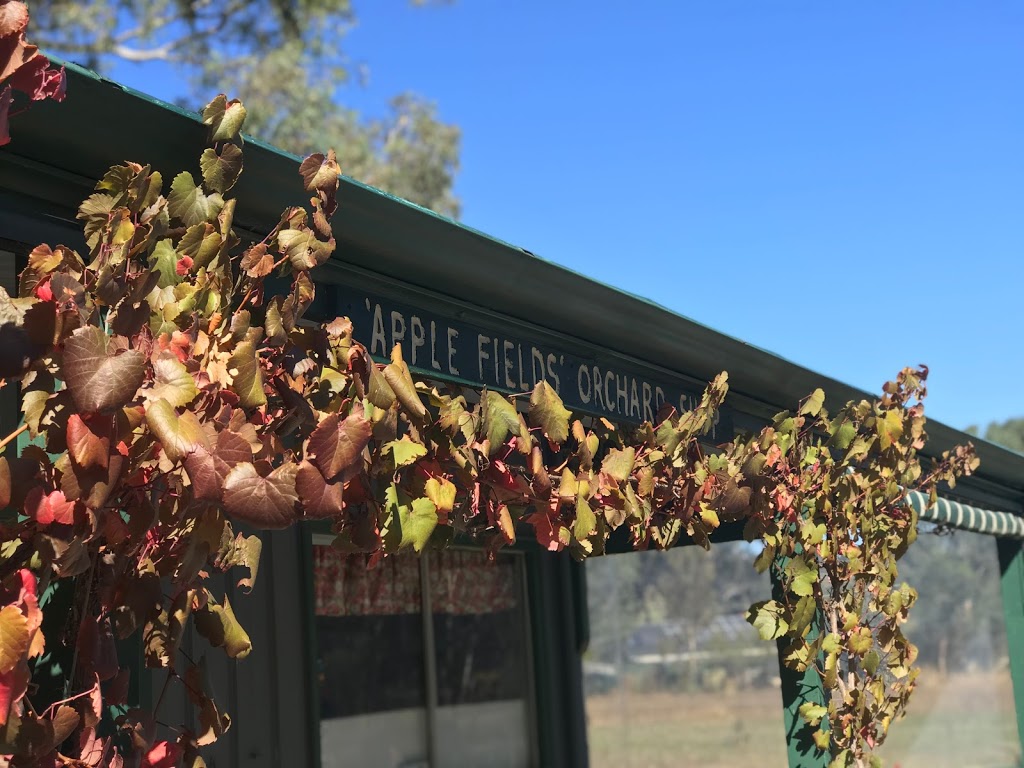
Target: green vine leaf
x=188, y=204
x=419, y=519
x=179, y=434
x=221, y=169
x=171, y=381
x=767, y=618
x=498, y=419
x=618, y=464
x=225, y=118
x=403, y=452
x=549, y=413
x=812, y=405
x=217, y=623
x=247, y=378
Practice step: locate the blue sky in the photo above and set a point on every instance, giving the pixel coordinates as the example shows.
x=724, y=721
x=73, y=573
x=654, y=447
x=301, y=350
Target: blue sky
x=840, y=183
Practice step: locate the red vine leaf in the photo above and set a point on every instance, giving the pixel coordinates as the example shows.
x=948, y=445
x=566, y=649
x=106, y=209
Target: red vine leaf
x=100, y=371
x=13, y=685
x=265, y=502
x=320, y=172
x=208, y=469
x=336, y=444
x=5, y=483
x=319, y=498
x=49, y=508
x=163, y=754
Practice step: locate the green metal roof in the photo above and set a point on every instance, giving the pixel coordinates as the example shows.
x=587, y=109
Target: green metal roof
x=59, y=150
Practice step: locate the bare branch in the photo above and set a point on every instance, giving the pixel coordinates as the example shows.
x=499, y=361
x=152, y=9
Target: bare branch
x=162, y=53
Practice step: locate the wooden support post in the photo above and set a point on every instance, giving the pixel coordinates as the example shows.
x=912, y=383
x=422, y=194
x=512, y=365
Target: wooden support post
x=1011, y=568
x=798, y=688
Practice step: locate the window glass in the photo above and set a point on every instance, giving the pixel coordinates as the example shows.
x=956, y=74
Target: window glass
x=674, y=675
x=370, y=661
x=381, y=694
x=962, y=711
x=483, y=675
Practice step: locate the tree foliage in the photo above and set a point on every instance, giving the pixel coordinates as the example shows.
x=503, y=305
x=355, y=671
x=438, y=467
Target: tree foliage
x=1009, y=433
x=286, y=61
x=173, y=388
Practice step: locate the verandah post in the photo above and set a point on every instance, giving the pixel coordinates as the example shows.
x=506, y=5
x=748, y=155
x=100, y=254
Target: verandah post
x=798, y=688
x=1011, y=568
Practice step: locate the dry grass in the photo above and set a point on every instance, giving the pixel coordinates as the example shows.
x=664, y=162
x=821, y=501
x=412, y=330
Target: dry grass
x=964, y=721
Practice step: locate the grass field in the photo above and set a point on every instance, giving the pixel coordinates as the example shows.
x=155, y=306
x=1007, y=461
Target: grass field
x=963, y=721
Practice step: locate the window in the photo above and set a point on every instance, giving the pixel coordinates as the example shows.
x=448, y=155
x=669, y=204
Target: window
x=395, y=690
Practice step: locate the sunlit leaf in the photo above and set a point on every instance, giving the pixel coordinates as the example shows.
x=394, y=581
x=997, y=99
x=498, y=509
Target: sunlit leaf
x=179, y=434
x=320, y=172
x=618, y=463
x=498, y=419
x=247, y=378
x=14, y=637
x=100, y=372
x=548, y=413
x=225, y=118
x=318, y=497
x=812, y=405
x=418, y=522
x=171, y=381
x=403, y=452
x=189, y=204
x=337, y=444
x=264, y=502
x=767, y=619
x=217, y=623
x=221, y=169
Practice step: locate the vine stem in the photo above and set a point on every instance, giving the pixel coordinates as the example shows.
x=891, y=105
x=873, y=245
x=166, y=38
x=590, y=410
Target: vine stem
x=12, y=436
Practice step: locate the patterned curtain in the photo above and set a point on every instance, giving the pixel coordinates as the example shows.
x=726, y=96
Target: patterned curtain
x=461, y=582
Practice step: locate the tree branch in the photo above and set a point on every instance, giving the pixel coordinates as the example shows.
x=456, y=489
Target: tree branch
x=162, y=53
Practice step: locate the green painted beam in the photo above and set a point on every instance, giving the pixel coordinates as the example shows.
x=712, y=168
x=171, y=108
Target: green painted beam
x=1011, y=566
x=798, y=688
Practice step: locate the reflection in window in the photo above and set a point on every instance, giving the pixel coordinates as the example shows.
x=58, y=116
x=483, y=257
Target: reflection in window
x=482, y=670
x=674, y=676
x=369, y=642
x=962, y=712
x=385, y=700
